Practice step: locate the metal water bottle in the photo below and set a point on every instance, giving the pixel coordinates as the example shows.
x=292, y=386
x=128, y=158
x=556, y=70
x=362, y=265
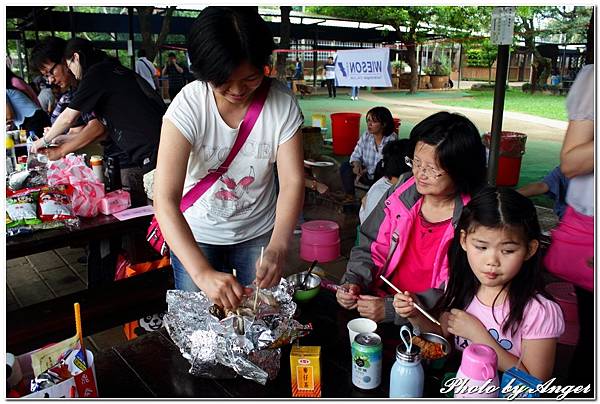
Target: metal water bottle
x=113, y=174
x=407, y=376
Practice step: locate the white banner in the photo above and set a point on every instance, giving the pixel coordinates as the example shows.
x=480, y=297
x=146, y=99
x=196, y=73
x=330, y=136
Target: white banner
x=363, y=67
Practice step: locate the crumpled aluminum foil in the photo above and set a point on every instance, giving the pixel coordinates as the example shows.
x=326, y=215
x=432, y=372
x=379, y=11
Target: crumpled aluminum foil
x=247, y=344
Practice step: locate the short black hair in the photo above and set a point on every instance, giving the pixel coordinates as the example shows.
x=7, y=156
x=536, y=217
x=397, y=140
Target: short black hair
x=392, y=161
x=172, y=55
x=384, y=116
x=459, y=148
x=222, y=38
x=141, y=53
x=50, y=49
x=89, y=55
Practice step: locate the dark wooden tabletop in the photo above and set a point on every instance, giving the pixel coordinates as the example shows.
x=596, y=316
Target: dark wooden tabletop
x=89, y=229
x=152, y=366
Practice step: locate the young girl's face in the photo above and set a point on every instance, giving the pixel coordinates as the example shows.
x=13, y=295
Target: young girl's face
x=373, y=125
x=496, y=255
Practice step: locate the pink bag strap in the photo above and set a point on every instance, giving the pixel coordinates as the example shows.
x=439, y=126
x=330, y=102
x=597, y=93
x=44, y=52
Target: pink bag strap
x=245, y=128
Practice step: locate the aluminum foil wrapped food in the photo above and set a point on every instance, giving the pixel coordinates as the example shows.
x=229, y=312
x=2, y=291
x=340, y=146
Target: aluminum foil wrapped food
x=246, y=341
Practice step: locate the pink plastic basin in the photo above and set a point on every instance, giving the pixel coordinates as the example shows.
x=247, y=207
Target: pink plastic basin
x=565, y=296
x=322, y=253
x=320, y=232
x=320, y=241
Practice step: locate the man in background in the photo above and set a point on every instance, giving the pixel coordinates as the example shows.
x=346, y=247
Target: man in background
x=175, y=75
x=146, y=69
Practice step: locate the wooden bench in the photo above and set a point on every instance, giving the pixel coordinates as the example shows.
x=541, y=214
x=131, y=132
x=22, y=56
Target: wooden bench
x=102, y=308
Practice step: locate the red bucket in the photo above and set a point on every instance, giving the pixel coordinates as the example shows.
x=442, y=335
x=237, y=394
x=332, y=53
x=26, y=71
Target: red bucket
x=512, y=148
x=345, y=130
x=397, y=122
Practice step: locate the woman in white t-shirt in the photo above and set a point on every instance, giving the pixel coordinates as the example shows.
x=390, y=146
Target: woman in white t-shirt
x=227, y=226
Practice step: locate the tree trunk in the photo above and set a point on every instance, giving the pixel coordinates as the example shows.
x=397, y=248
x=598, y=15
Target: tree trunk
x=284, y=42
x=411, y=50
x=410, y=41
x=148, y=44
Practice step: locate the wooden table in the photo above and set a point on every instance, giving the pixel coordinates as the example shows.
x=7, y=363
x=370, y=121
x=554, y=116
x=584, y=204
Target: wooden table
x=104, y=304
x=102, y=234
x=152, y=366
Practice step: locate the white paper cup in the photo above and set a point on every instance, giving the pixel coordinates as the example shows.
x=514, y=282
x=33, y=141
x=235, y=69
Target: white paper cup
x=360, y=325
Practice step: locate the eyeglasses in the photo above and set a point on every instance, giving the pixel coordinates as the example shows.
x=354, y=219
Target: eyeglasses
x=50, y=72
x=429, y=172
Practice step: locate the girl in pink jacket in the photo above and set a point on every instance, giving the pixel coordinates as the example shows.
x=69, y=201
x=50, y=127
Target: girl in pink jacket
x=406, y=237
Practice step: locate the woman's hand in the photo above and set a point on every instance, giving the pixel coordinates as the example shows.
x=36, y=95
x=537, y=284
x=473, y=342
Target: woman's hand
x=38, y=145
x=53, y=153
x=465, y=325
x=357, y=168
x=347, y=295
x=403, y=304
x=221, y=288
x=269, y=273
x=371, y=307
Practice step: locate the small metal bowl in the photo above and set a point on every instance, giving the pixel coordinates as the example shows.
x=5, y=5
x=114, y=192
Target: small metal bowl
x=304, y=294
x=431, y=337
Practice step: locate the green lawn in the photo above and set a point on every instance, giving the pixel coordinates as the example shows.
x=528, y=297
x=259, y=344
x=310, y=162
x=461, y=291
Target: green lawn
x=543, y=105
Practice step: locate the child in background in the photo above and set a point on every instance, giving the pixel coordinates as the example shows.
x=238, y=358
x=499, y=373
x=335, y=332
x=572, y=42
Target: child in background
x=392, y=166
x=495, y=294
x=554, y=185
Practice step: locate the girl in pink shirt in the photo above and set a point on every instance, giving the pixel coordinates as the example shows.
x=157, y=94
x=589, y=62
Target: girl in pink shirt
x=495, y=294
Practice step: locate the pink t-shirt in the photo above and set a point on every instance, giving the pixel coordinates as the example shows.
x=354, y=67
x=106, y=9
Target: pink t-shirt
x=415, y=269
x=542, y=318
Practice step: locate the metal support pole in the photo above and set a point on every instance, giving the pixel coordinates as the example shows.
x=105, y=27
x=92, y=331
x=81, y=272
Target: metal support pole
x=130, y=45
x=315, y=45
x=498, y=109
x=460, y=52
x=72, y=21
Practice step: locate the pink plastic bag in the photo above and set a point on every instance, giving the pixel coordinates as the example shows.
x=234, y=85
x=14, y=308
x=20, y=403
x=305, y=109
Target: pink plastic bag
x=87, y=190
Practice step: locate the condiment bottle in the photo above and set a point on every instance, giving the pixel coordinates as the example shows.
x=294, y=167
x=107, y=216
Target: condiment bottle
x=407, y=376
x=97, y=167
x=11, y=158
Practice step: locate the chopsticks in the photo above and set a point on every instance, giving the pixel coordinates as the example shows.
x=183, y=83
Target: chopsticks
x=429, y=316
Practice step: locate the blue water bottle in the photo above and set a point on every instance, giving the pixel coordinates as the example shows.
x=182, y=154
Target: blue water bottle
x=407, y=376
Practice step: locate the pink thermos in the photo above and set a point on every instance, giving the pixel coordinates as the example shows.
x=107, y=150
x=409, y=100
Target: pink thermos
x=479, y=368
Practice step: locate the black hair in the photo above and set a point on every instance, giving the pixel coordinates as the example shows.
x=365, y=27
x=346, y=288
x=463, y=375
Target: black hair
x=459, y=148
x=497, y=208
x=222, y=38
x=172, y=55
x=141, y=53
x=393, y=154
x=89, y=55
x=384, y=116
x=50, y=49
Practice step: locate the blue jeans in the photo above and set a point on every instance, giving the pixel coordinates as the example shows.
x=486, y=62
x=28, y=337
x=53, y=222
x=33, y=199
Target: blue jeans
x=355, y=92
x=224, y=258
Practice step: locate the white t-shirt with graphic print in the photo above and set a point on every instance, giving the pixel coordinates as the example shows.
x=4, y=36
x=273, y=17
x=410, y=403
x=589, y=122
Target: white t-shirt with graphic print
x=240, y=205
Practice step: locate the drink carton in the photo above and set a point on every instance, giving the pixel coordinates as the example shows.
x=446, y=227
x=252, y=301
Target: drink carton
x=306, y=371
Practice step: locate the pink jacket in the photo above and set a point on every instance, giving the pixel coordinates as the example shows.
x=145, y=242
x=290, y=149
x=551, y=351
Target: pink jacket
x=383, y=238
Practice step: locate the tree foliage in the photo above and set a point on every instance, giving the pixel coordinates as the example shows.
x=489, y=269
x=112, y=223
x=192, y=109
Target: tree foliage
x=413, y=24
